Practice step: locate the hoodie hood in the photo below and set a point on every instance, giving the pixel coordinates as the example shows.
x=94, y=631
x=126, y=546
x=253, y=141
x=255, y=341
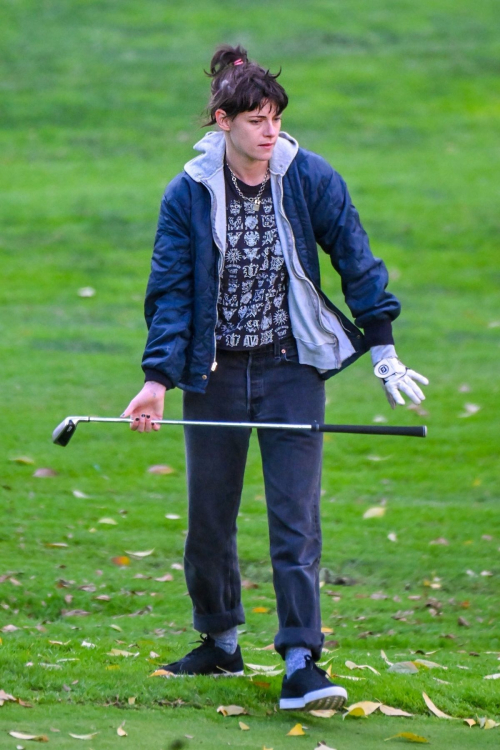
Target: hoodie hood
x=213, y=146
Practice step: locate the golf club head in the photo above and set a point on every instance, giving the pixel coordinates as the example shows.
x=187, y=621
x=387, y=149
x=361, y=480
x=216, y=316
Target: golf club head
x=64, y=431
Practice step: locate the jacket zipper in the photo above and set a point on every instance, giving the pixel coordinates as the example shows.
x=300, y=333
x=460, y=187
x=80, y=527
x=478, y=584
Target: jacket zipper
x=306, y=278
x=220, y=269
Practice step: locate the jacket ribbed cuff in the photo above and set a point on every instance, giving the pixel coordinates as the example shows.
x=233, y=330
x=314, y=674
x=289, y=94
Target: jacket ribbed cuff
x=158, y=377
x=378, y=333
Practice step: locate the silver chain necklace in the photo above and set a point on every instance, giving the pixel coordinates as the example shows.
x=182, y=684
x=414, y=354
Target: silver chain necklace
x=255, y=201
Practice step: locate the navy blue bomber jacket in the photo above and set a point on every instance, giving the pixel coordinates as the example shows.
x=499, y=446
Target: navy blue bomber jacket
x=313, y=208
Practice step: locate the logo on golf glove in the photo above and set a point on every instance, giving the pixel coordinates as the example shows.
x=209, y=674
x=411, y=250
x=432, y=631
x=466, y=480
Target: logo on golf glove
x=397, y=378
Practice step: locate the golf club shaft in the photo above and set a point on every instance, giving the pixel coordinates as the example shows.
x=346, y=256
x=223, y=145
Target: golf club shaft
x=419, y=431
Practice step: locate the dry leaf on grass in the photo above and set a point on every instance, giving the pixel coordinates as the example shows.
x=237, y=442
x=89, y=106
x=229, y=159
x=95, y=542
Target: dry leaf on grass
x=121, y=560
x=108, y=521
x=6, y=697
x=80, y=495
x=261, y=610
x=492, y=676
x=231, y=710
x=165, y=578
x=26, y=460
x=363, y=709
x=403, y=667
x=261, y=668
x=390, y=711
x=408, y=736
x=428, y=664
x=160, y=469
x=325, y=713
x=120, y=731
x=352, y=665
x=131, y=700
x=118, y=652
x=45, y=472
x=172, y=517
x=83, y=736
x=434, y=709
x=470, y=722
x=140, y=555
x=244, y=727
x=56, y=545
x=327, y=631
x=296, y=731
x=86, y=291
x=377, y=511
x=34, y=737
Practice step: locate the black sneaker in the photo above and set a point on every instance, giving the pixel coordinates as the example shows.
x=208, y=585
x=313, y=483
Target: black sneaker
x=206, y=659
x=309, y=688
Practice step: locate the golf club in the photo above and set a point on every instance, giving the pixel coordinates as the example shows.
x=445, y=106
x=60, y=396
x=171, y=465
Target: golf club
x=65, y=431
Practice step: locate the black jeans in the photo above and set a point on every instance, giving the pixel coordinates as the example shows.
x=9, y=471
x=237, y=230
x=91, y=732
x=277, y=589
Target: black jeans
x=267, y=385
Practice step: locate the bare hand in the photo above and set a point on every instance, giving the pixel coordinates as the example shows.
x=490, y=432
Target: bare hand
x=146, y=407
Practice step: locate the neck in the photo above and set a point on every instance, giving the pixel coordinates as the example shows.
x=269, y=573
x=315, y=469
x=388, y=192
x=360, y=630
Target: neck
x=249, y=171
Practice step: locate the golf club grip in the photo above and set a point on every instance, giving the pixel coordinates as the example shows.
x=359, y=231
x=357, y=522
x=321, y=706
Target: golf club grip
x=362, y=429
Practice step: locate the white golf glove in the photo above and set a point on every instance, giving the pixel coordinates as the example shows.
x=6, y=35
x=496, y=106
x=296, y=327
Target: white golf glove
x=395, y=377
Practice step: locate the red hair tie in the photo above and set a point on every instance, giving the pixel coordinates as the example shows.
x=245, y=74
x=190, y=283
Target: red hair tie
x=239, y=61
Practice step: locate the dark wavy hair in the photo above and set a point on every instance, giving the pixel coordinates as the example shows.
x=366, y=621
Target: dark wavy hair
x=240, y=85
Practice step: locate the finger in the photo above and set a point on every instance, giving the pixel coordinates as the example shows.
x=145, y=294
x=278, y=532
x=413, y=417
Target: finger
x=147, y=423
x=141, y=425
x=134, y=424
x=412, y=390
x=395, y=394
x=417, y=376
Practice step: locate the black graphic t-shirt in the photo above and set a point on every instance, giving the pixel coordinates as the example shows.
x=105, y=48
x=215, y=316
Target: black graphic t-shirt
x=252, y=305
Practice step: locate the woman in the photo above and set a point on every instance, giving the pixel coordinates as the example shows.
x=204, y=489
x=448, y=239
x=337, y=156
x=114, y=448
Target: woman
x=238, y=320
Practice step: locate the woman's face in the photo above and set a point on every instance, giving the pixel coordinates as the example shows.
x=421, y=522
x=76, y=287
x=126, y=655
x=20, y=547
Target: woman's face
x=252, y=134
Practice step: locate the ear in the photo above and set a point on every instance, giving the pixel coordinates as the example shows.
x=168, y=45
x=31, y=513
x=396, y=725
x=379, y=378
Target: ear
x=223, y=120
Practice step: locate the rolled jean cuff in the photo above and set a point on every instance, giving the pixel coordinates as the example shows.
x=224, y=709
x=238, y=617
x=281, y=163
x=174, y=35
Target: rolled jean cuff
x=304, y=637
x=219, y=622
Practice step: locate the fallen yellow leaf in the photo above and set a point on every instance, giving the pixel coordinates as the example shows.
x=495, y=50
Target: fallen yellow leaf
x=327, y=631
x=295, y=731
x=34, y=737
x=409, y=736
x=376, y=512
x=325, y=713
x=260, y=610
x=117, y=652
x=363, y=708
x=108, y=521
x=231, y=710
x=244, y=727
x=470, y=722
x=352, y=665
x=121, y=732
x=113, y=666
x=428, y=664
x=162, y=673
x=490, y=724
x=22, y=460
x=83, y=736
x=140, y=555
x=436, y=711
x=121, y=560
x=390, y=711
x=131, y=701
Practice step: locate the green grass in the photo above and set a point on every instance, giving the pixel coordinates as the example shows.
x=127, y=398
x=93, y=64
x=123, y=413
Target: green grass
x=101, y=104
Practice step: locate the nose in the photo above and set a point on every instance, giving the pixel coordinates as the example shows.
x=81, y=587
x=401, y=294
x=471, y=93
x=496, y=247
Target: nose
x=270, y=128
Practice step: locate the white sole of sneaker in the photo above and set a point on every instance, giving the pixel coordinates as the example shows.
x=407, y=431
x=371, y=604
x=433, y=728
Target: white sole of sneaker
x=328, y=698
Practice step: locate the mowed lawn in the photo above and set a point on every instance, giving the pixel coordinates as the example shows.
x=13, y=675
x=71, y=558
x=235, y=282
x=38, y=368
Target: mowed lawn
x=101, y=104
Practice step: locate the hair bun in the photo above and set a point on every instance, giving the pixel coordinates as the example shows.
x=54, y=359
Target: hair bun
x=226, y=55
